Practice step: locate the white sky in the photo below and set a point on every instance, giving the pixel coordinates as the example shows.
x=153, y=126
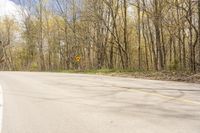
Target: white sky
x=9, y=8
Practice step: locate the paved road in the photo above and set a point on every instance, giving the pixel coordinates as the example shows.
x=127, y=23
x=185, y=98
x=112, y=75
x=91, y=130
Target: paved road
x=76, y=103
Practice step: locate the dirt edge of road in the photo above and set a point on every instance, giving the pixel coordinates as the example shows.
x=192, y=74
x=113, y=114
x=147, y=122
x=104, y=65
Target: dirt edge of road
x=194, y=78
x=167, y=76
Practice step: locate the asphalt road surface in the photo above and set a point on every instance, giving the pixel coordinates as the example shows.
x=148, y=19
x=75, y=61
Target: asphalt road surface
x=78, y=103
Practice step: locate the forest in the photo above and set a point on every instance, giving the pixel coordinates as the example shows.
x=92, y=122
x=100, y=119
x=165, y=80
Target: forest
x=141, y=35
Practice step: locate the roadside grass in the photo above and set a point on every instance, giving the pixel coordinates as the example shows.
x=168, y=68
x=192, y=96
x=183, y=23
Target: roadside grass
x=183, y=76
x=100, y=71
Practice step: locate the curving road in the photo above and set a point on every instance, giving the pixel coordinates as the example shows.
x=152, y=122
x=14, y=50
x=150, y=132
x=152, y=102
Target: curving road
x=78, y=103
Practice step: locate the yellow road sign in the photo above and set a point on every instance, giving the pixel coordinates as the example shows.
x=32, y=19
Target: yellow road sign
x=77, y=58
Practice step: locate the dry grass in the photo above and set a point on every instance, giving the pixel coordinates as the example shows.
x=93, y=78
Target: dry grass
x=169, y=76
x=164, y=75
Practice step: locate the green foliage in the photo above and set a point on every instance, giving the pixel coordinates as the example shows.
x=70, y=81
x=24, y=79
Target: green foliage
x=174, y=65
x=34, y=67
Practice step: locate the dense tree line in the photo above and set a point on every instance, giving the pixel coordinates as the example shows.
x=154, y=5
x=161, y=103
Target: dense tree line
x=115, y=34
